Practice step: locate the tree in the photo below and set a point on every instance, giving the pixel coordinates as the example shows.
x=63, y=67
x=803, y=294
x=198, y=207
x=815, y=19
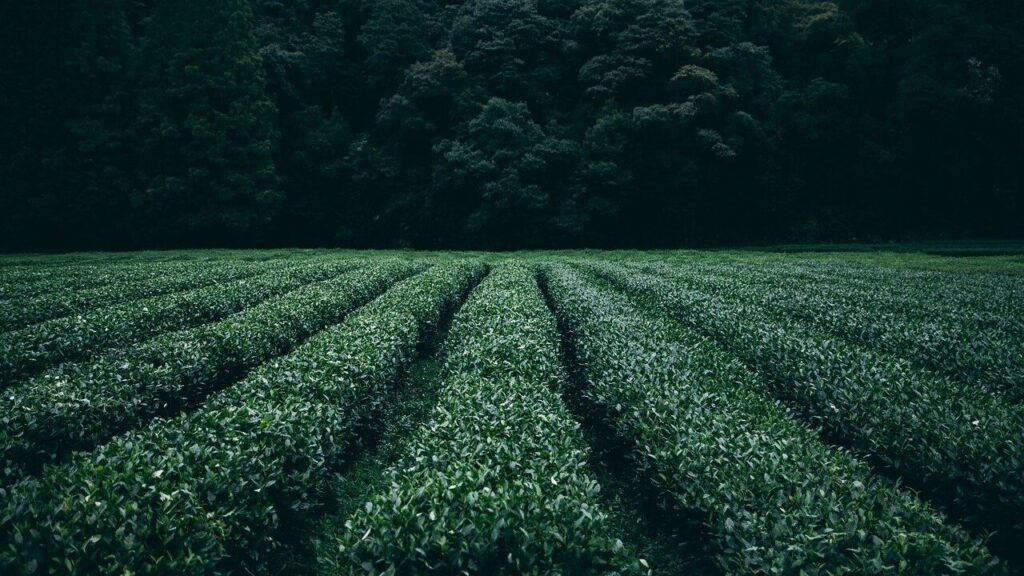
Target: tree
x=204, y=127
x=396, y=34
x=509, y=45
x=498, y=178
x=65, y=162
x=508, y=123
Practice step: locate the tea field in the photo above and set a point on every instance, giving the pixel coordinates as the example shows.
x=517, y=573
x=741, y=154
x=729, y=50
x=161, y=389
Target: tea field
x=369, y=413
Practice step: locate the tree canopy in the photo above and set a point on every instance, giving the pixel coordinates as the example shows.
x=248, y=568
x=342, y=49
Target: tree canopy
x=504, y=124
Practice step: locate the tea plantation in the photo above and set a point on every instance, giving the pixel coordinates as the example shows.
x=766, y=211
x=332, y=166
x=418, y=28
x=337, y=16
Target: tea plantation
x=371, y=413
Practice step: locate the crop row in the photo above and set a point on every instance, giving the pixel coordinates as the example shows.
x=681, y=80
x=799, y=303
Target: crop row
x=985, y=300
x=34, y=281
x=14, y=263
x=497, y=481
x=22, y=312
x=985, y=304
x=210, y=491
x=962, y=447
x=952, y=345
x=29, y=281
x=775, y=499
x=21, y=282
x=37, y=347
x=78, y=406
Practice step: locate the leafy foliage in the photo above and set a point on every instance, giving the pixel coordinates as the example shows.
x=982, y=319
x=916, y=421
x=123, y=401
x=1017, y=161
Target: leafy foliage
x=496, y=482
x=957, y=443
x=508, y=124
x=78, y=406
x=933, y=339
x=775, y=499
x=141, y=282
x=37, y=347
x=195, y=414
x=208, y=491
x=204, y=125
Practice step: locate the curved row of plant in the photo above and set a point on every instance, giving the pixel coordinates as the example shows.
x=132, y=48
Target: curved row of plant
x=497, y=481
x=775, y=499
x=40, y=346
x=213, y=491
x=22, y=312
x=951, y=344
x=984, y=300
x=989, y=301
x=32, y=280
x=78, y=406
x=21, y=282
x=962, y=447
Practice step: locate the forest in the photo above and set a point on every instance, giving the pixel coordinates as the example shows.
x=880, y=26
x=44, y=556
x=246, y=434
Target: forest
x=508, y=124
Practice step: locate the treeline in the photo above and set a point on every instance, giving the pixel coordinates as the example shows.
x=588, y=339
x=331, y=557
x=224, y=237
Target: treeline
x=508, y=123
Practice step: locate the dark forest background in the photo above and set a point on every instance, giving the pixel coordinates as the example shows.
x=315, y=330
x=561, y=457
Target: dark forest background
x=508, y=123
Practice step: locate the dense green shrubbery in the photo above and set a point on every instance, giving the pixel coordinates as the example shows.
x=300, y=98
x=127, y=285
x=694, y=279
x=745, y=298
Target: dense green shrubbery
x=963, y=343
x=210, y=431
x=497, y=482
x=508, y=123
x=77, y=406
x=145, y=282
x=961, y=446
x=985, y=300
x=775, y=499
x=988, y=301
x=206, y=492
x=37, y=347
x=21, y=281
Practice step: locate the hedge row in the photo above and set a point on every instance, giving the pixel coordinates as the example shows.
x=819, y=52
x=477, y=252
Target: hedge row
x=21, y=282
x=497, y=482
x=78, y=406
x=775, y=499
x=22, y=312
x=30, y=281
x=37, y=347
x=951, y=344
x=997, y=298
x=962, y=447
x=987, y=301
x=206, y=492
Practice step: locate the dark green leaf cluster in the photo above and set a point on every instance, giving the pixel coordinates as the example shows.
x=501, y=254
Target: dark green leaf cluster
x=775, y=499
x=959, y=341
x=78, y=406
x=958, y=444
x=34, y=348
x=497, y=481
x=26, y=281
x=502, y=124
x=144, y=282
x=185, y=494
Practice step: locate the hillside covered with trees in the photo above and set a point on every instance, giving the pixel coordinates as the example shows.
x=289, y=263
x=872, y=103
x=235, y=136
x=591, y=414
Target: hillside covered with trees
x=501, y=124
